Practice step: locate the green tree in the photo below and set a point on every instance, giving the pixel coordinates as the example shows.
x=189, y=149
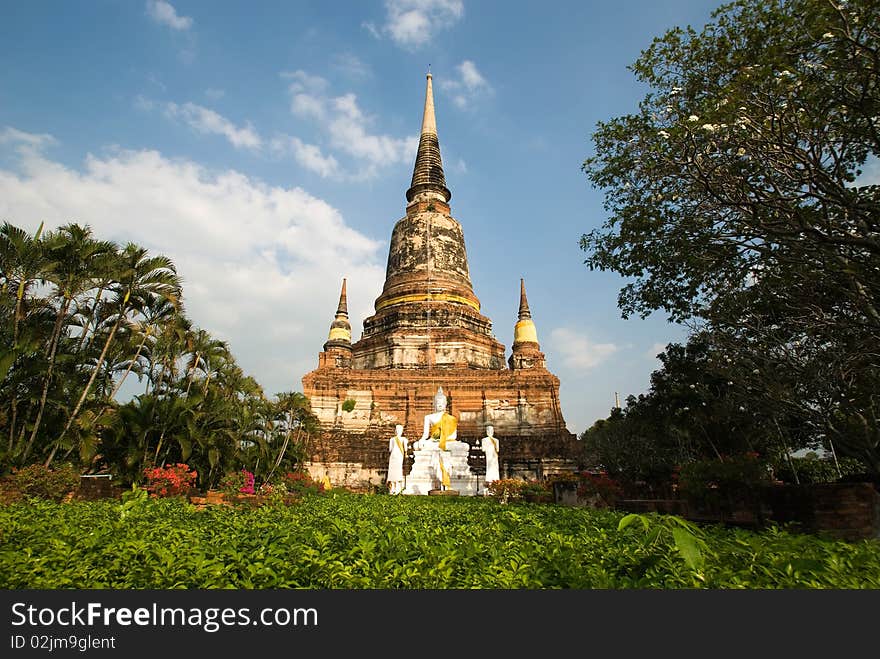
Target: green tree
x=73, y=252
x=737, y=199
x=77, y=317
x=293, y=424
x=23, y=264
x=141, y=279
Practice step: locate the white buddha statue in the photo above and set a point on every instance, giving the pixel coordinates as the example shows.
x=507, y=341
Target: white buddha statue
x=440, y=425
x=489, y=446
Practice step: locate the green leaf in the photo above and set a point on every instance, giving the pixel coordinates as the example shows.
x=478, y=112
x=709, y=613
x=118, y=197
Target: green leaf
x=807, y=565
x=6, y=361
x=629, y=519
x=688, y=548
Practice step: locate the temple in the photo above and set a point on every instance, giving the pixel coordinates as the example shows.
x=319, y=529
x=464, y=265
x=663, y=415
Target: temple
x=427, y=332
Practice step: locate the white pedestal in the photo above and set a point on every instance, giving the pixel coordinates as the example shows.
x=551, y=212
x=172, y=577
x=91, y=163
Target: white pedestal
x=425, y=474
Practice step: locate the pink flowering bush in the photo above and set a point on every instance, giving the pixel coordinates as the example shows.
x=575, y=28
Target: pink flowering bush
x=170, y=481
x=238, y=482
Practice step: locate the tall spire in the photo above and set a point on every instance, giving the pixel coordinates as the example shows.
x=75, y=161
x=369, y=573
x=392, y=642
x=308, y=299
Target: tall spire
x=343, y=302
x=524, y=331
x=340, y=328
x=523, y=302
x=428, y=178
x=428, y=312
x=526, y=352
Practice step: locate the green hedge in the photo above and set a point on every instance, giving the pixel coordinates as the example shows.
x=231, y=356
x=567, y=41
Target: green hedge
x=347, y=541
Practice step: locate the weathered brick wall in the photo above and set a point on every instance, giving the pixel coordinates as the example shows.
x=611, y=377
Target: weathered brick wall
x=92, y=487
x=356, y=460
x=850, y=511
x=517, y=403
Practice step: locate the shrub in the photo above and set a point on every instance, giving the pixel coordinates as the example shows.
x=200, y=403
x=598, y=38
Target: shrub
x=279, y=488
x=350, y=542
x=506, y=489
x=537, y=491
x=301, y=482
x=599, y=489
x=38, y=481
x=274, y=493
x=816, y=470
x=565, y=477
x=513, y=489
x=170, y=481
x=725, y=483
x=238, y=482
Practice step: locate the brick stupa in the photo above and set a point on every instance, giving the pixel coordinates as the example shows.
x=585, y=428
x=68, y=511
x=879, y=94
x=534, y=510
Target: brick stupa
x=427, y=332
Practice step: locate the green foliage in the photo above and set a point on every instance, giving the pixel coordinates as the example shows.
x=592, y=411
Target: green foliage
x=348, y=404
x=744, y=152
x=599, y=489
x=506, y=489
x=133, y=500
x=738, y=201
x=688, y=538
x=345, y=541
x=238, y=482
x=635, y=447
x=78, y=316
x=36, y=480
x=723, y=483
x=537, y=491
x=301, y=482
x=816, y=470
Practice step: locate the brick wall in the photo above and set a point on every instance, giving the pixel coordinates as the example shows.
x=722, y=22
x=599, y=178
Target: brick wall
x=357, y=460
x=846, y=511
x=849, y=511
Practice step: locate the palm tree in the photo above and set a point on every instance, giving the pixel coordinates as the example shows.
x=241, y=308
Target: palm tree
x=204, y=350
x=73, y=252
x=23, y=263
x=141, y=279
x=103, y=272
x=294, y=413
x=19, y=388
x=161, y=310
x=172, y=343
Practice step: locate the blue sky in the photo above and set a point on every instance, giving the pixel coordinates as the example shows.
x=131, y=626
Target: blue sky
x=266, y=147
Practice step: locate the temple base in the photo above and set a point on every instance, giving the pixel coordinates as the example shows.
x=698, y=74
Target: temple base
x=425, y=475
x=443, y=493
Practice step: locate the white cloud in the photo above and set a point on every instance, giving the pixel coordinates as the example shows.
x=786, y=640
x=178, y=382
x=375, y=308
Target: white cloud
x=305, y=82
x=655, y=350
x=144, y=103
x=467, y=86
x=205, y=120
x=348, y=132
x=347, y=127
x=372, y=29
x=154, y=80
x=309, y=156
x=578, y=351
x=470, y=77
x=262, y=265
x=307, y=94
x=22, y=140
x=413, y=23
x=351, y=66
x=164, y=13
